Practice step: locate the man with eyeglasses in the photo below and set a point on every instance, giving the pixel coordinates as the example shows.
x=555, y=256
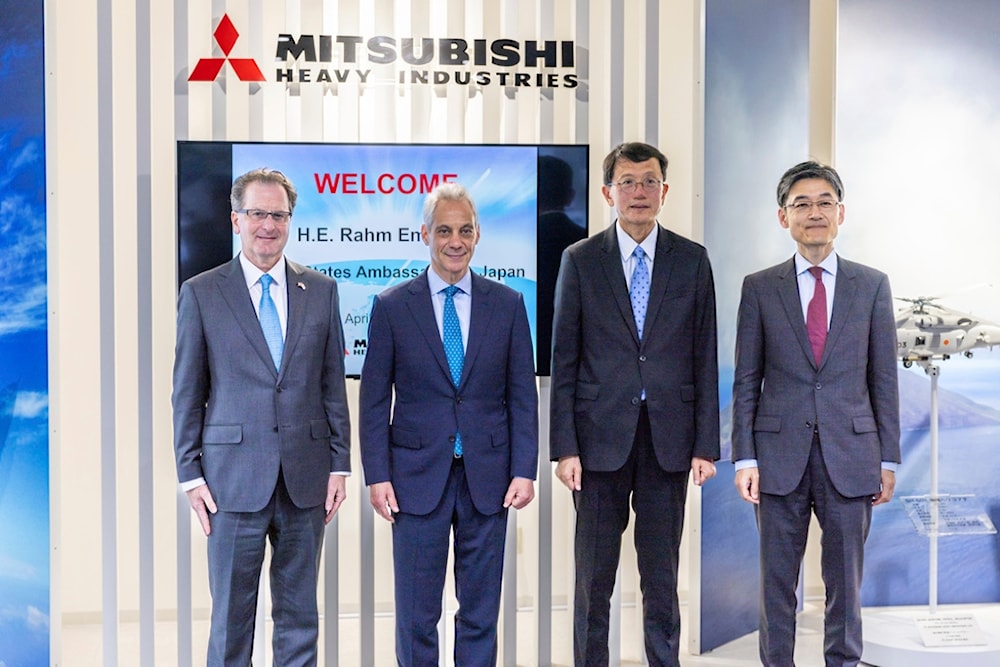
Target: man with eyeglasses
x=815, y=414
x=634, y=399
x=261, y=427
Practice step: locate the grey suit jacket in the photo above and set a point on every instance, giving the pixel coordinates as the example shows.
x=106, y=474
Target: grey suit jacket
x=780, y=395
x=236, y=419
x=410, y=410
x=599, y=366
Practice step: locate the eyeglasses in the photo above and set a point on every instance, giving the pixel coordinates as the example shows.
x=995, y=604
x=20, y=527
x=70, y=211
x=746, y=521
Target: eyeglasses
x=260, y=215
x=805, y=206
x=630, y=184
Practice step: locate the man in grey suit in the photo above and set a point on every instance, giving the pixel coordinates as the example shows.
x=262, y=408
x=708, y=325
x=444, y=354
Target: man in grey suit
x=449, y=433
x=634, y=402
x=261, y=430
x=815, y=413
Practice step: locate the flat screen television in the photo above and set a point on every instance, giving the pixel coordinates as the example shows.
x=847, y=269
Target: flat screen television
x=359, y=213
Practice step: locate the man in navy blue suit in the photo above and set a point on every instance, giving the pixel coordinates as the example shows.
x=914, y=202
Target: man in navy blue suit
x=449, y=432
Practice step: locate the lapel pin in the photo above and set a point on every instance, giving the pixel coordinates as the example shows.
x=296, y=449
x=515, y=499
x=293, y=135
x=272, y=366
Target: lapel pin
x=301, y=286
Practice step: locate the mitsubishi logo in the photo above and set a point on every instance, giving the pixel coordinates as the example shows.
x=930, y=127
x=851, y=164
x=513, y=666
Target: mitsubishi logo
x=208, y=69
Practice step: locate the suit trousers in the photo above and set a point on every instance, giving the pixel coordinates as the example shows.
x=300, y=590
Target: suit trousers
x=235, y=556
x=420, y=560
x=783, y=523
x=602, y=514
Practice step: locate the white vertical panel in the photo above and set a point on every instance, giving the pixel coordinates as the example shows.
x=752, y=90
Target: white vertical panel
x=311, y=96
x=272, y=96
x=237, y=93
x=201, y=24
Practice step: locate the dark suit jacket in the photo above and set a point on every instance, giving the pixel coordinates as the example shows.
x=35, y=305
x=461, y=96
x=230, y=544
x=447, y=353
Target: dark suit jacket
x=599, y=367
x=410, y=410
x=779, y=394
x=237, y=420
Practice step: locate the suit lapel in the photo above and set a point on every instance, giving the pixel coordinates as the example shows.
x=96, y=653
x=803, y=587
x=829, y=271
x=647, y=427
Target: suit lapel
x=296, y=297
x=788, y=291
x=611, y=262
x=483, y=303
x=422, y=312
x=233, y=286
x=662, y=268
x=843, y=297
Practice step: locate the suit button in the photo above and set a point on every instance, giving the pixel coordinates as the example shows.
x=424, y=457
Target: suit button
x=642, y=357
x=809, y=425
x=459, y=400
x=636, y=400
x=280, y=389
x=451, y=439
x=819, y=385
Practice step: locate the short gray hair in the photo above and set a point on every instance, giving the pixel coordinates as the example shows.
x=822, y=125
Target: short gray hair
x=447, y=192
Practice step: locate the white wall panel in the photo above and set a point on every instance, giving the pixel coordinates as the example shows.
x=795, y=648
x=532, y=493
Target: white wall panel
x=613, y=102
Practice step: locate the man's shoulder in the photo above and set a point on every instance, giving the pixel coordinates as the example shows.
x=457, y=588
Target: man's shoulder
x=297, y=272
x=772, y=272
x=403, y=290
x=680, y=243
x=210, y=276
x=858, y=269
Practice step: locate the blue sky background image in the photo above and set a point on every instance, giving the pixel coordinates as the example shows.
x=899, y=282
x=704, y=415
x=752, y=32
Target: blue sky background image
x=24, y=487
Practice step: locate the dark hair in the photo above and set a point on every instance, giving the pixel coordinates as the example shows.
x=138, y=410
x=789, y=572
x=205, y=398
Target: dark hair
x=809, y=169
x=262, y=175
x=633, y=152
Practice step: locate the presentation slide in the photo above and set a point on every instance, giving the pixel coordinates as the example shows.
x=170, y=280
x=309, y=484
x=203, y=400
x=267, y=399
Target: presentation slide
x=360, y=210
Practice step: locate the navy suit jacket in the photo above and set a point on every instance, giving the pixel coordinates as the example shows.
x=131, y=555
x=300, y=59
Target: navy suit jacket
x=236, y=419
x=410, y=410
x=780, y=394
x=599, y=366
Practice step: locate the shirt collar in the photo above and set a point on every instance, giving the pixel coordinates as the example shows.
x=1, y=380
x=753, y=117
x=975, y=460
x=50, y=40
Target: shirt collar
x=626, y=244
x=829, y=264
x=436, y=283
x=252, y=274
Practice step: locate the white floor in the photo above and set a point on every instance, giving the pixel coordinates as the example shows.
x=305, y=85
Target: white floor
x=81, y=645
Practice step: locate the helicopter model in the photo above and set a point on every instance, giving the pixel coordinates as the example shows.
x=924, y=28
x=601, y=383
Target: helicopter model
x=927, y=330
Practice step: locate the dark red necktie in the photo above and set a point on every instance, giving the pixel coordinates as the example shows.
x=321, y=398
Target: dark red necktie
x=816, y=315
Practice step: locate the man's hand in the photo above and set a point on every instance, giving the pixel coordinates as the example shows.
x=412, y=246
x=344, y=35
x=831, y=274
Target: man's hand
x=202, y=503
x=383, y=499
x=570, y=472
x=336, y=493
x=519, y=493
x=702, y=470
x=747, y=481
x=888, y=488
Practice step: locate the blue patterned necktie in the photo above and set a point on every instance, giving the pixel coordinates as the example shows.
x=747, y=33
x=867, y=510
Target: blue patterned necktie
x=269, y=323
x=453, y=349
x=639, y=289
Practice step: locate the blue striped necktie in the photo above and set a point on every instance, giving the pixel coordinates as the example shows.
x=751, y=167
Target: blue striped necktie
x=453, y=349
x=269, y=323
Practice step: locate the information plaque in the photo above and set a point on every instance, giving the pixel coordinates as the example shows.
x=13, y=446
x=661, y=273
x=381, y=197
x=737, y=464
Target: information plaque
x=950, y=630
x=947, y=514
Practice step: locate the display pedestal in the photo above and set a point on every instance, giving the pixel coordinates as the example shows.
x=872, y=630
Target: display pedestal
x=893, y=636
x=966, y=635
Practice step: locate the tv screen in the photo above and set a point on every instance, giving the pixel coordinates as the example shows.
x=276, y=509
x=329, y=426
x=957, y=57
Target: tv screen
x=360, y=209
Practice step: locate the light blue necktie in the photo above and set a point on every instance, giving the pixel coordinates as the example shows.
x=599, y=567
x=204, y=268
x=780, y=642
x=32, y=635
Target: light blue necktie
x=269, y=323
x=639, y=289
x=453, y=349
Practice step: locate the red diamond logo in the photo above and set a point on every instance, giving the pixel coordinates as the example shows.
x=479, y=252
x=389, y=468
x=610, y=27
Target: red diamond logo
x=208, y=69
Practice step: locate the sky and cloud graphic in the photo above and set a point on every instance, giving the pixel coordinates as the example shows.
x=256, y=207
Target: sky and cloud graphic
x=24, y=465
